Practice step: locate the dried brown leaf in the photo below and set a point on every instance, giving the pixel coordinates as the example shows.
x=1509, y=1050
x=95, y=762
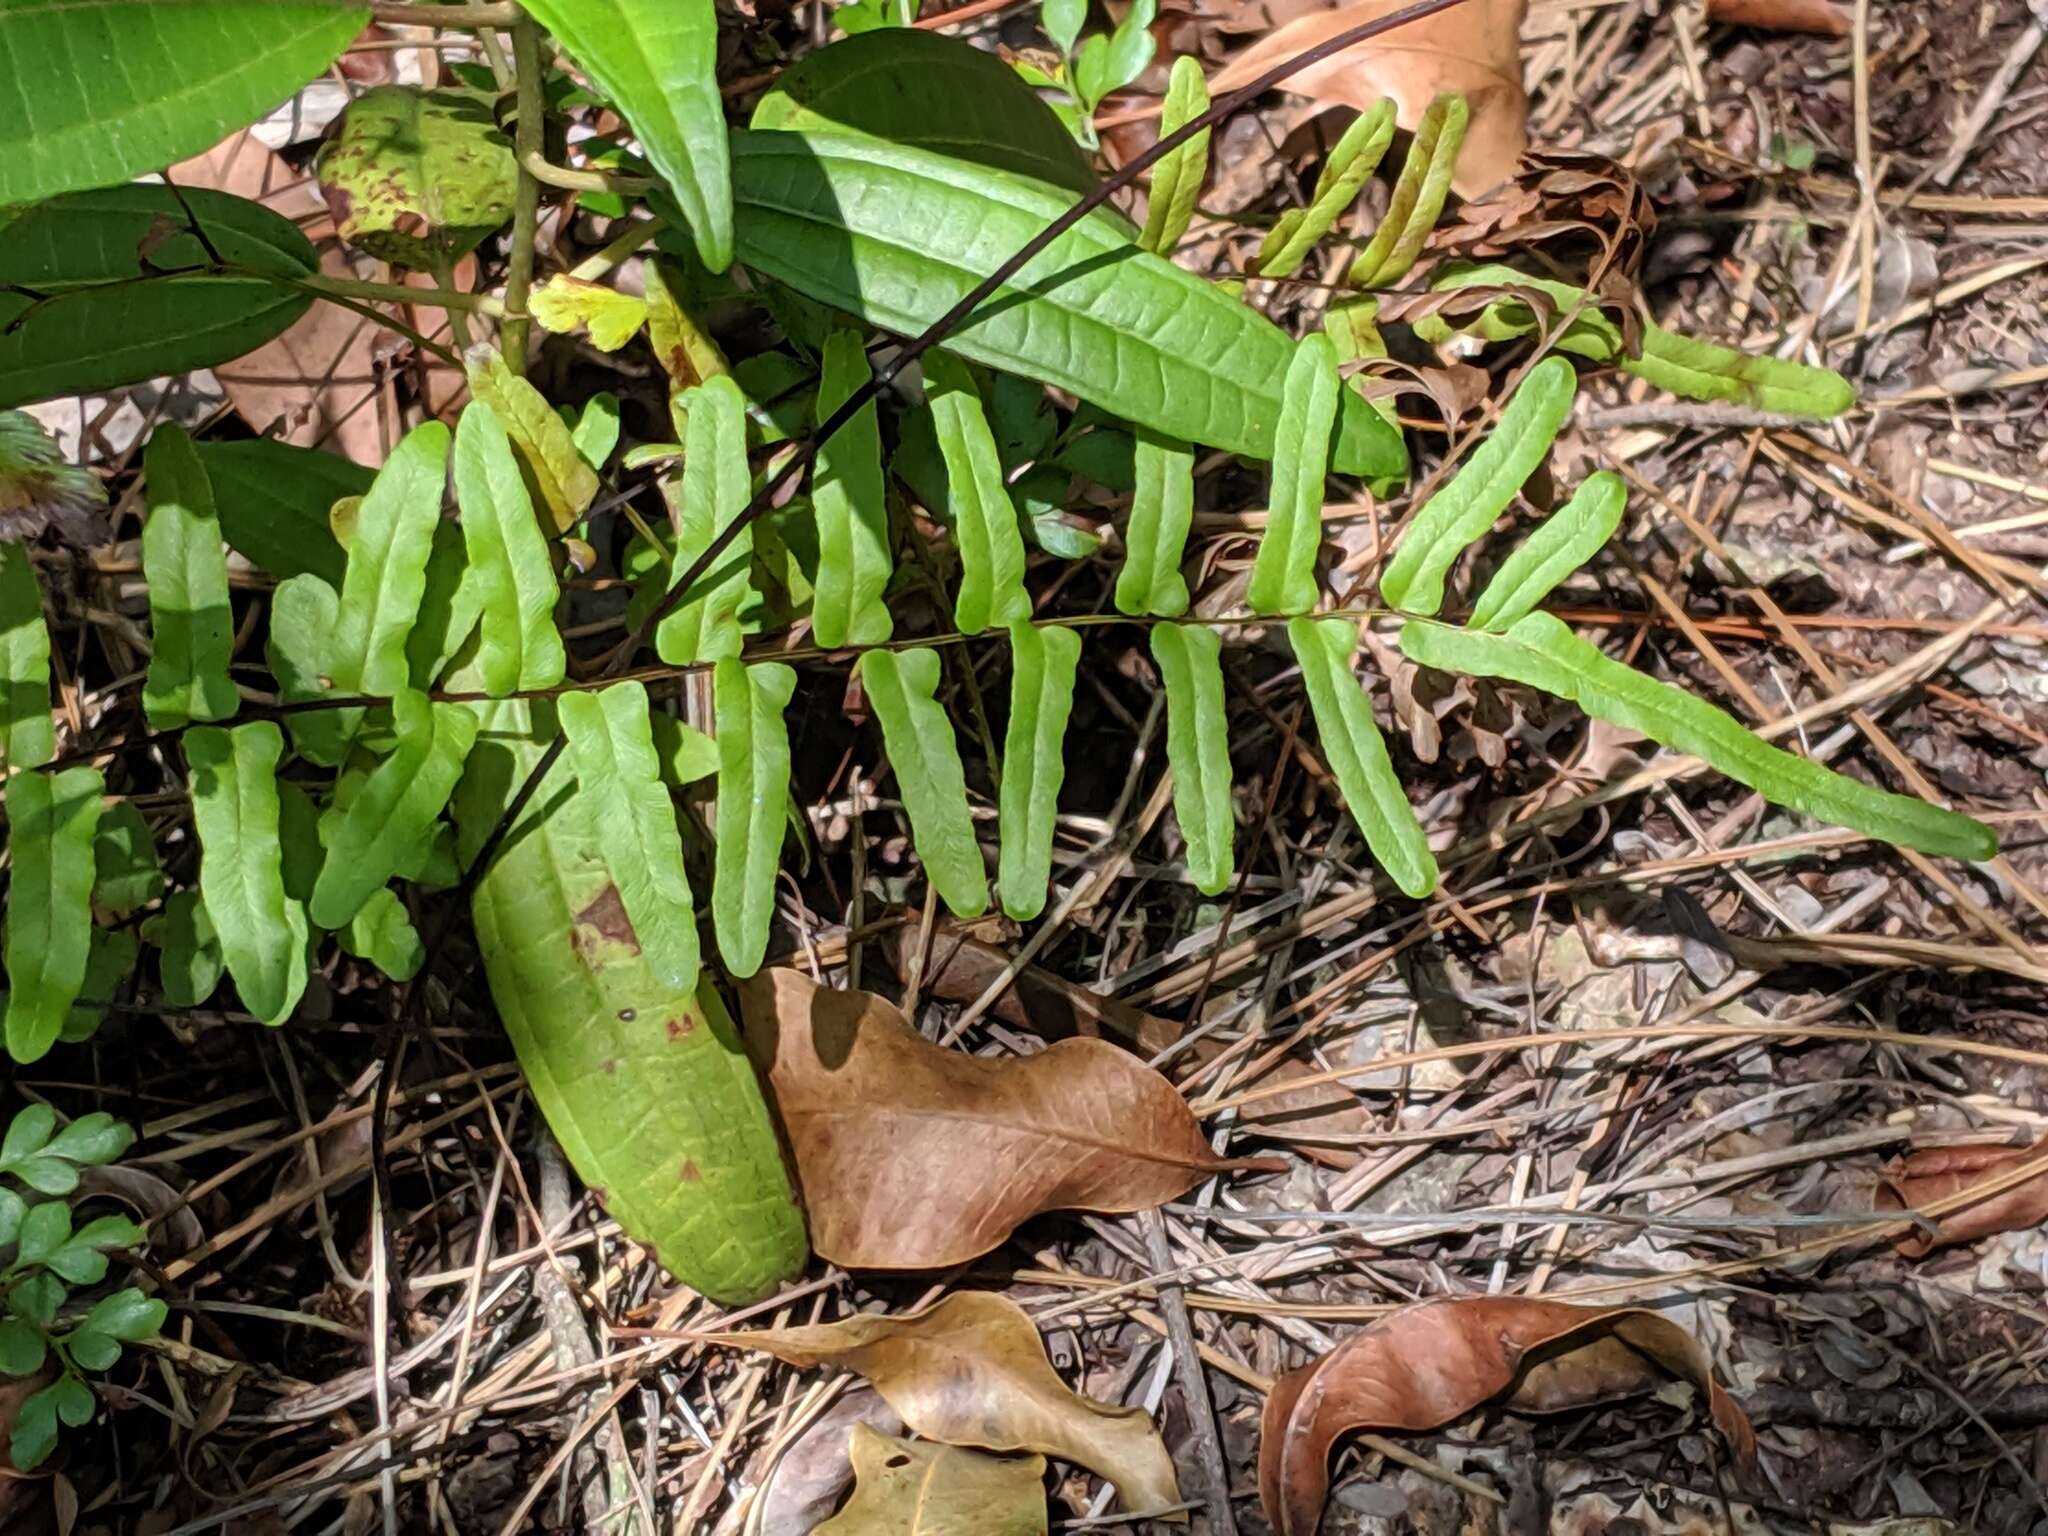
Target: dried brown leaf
x=971, y=1370
x=1828, y=18
x=913, y=1488
x=1936, y=1173
x=911, y=1156
x=1426, y=1365
x=1475, y=48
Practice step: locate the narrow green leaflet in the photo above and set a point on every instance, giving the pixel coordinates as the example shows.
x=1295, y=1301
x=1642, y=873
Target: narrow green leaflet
x=705, y=626
x=386, y=576
x=1156, y=537
x=1540, y=651
x=898, y=235
x=1481, y=489
x=658, y=62
x=852, y=509
x=450, y=606
x=273, y=500
x=189, y=964
x=1561, y=543
x=98, y=94
x=618, y=784
x=262, y=934
x=1042, y=664
x=376, y=824
x=185, y=568
x=28, y=737
x=1352, y=160
x=902, y=686
x=126, y=873
x=1357, y=752
x=508, y=557
x=1418, y=198
x=51, y=819
x=302, y=618
x=382, y=933
x=753, y=790
x=1177, y=179
x=686, y=753
x=977, y=502
x=1198, y=748
x=1284, y=571
x=562, y=483
x=596, y=432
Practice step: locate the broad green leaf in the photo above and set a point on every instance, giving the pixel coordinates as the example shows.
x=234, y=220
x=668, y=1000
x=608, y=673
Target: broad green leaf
x=1418, y=198
x=1351, y=162
x=418, y=178
x=51, y=819
x=924, y=88
x=852, y=509
x=303, y=612
x=977, y=502
x=1357, y=753
x=99, y=93
x=1131, y=45
x=902, y=688
x=1540, y=651
x=450, y=605
x=189, y=966
x=705, y=626
x=1177, y=179
x=28, y=737
x=618, y=785
x=234, y=806
x=382, y=933
x=596, y=432
x=1479, y=492
x=658, y=62
x=1560, y=544
x=563, y=304
x=108, y=966
x=92, y=1140
x=1062, y=21
x=898, y=235
x=1284, y=571
x=127, y=1315
x=1155, y=538
x=1198, y=748
x=273, y=500
x=39, y=491
x=92, y=1350
x=43, y=1232
x=753, y=788
x=1042, y=664
x=126, y=874
x=686, y=753
x=562, y=484
x=372, y=830
x=115, y=286
x=35, y=1430
x=22, y=1347
x=508, y=558
x=648, y=1089
x=185, y=568
x=28, y=1133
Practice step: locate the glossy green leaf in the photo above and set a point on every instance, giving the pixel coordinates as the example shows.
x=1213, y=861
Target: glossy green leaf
x=562, y=484
x=1540, y=651
x=1177, y=179
x=28, y=737
x=1198, y=748
x=658, y=62
x=618, y=778
x=127, y=1315
x=1480, y=491
x=273, y=499
x=705, y=626
x=1349, y=166
x=382, y=933
x=1155, y=538
x=115, y=286
x=376, y=824
x=189, y=966
x=51, y=819
x=753, y=788
x=262, y=934
x=418, y=178
x=977, y=502
x=897, y=235
x=508, y=558
x=1043, y=660
x=851, y=507
x=902, y=688
x=1418, y=197
x=100, y=93
x=1284, y=571
x=1357, y=752
x=185, y=568
x=1559, y=545
x=126, y=874
x=923, y=88
x=1063, y=20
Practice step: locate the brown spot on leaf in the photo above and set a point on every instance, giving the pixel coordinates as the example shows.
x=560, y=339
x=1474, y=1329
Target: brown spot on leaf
x=611, y=1064
x=690, y=1174
x=682, y=1028
x=603, y=922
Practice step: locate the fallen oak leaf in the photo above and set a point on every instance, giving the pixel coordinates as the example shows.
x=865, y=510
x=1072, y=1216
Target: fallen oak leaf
x=971, y=1370
x=912, y=1156
x=1939, y=1173
x=913, y=1488
x=1825, y=18
x=1427, y=1365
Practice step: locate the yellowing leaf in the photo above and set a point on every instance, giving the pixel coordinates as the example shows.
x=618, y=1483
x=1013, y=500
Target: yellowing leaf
x=563, y=303
x=915, y=1488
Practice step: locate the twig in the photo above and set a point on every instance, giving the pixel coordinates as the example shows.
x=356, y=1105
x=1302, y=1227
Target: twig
x=528, y=139
x=2017, y=58
x=1194, y=1387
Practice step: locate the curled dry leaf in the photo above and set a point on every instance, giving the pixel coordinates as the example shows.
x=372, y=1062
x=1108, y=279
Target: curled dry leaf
x=1828, y=18
x=1426, y=1365
x=971, y=1370
x=1935, y=1173
x=1474, y=48
x=911, y=1156
x=912, y=1488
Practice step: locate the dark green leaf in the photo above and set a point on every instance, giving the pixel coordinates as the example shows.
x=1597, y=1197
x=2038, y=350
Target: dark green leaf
x=35, y=1430
x=902, y=687
x=1197, y=748
x=21, y=1348
x=382, y=933
x=44, y=1230
x=235, y=808
x=126, y=874
x=185, y=568
x=91, y=1139
x=92, y=1350
x=28, y=739
x=189, y=967
x=1042, y=662
x=127, y=1315
x=28, y=1133
x=273, y=500
x=48, y=939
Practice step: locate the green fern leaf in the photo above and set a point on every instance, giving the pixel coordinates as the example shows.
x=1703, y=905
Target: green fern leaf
x=51, y=820
x=185, y=567
x=705, y=626
x=1284, y=572
x=241, y=864
x=1352, y=160
x=1198, y=748
x=1177, y=179
x=508, y=559
x=28, y=737
x=1561, y=543
x=1155, y=538
x=978, y=503
x=753, y=792
x=851, y=507
x=1042, y=665
x=1418, y=200
x=903, y=687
